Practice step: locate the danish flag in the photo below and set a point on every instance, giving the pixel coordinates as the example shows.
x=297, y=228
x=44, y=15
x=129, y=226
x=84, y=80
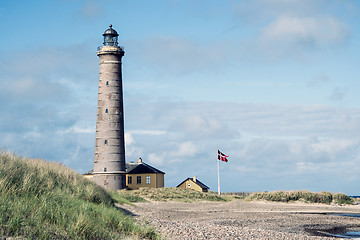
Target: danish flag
x=222, y=156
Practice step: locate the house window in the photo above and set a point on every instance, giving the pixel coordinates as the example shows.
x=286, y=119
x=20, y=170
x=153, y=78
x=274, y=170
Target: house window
x=129, y=180
x=148, y=179
x=138, y=179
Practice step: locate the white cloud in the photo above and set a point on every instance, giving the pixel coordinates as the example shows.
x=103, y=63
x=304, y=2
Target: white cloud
x=292, y=28
x=185, y=149
x=170, y=152
x=290, y=35
x=334, y=147
x=307, y=167
x=148, y=132
x=199, y=126
x=133, y=148
x=38, y=89
x=129, y=140
x=157, y=158
x=314, y=31
x=76, y=129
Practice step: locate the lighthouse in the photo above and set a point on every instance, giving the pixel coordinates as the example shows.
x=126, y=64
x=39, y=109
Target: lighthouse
x=109, y=159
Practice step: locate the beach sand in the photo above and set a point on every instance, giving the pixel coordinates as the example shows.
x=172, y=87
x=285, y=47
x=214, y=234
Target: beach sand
x=245, y=220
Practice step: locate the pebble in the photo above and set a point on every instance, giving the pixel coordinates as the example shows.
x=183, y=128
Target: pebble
x=206, y=220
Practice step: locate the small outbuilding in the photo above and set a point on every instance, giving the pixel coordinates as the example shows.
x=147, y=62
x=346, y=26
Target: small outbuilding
x=194, y=184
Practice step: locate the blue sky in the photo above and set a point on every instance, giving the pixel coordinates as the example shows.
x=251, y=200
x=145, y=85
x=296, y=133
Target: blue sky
x=272, y=83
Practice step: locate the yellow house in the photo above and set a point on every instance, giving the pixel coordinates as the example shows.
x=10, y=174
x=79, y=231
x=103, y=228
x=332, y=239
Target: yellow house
x=140, y=174
x=194, y=184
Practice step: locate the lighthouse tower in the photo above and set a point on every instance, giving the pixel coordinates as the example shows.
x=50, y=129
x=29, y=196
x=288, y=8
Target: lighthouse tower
x=109, y=161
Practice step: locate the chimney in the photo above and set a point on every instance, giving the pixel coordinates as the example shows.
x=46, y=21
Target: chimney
x=139, y=160
x=194, y=178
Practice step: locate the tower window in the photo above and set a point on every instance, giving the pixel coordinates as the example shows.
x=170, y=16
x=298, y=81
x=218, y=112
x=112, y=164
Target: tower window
x=105, y=169
x=106, y=110
x=107, y=83
x=106, y=142
x=138, y=179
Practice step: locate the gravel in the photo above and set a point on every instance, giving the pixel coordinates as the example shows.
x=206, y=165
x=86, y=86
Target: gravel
x=244, y=220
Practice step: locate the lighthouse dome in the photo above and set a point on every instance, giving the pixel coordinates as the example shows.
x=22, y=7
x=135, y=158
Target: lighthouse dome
x=110, y=31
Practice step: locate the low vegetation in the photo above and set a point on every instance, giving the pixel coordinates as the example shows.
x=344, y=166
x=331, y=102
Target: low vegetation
x=126, y=197
x=306, y=196
x=172, y=194
x=42, y=200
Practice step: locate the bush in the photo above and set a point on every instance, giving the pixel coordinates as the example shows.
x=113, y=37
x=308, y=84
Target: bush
x=341, y=198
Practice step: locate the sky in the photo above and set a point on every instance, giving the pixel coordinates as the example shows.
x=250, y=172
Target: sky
x=274, y=84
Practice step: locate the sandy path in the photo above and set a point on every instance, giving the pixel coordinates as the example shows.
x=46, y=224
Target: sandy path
x=243, y=220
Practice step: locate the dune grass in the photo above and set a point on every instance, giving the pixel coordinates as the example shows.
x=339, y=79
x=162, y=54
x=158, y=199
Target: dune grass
x=126, y=197
x=306, y=196
x=43, y=200
x=172, y=194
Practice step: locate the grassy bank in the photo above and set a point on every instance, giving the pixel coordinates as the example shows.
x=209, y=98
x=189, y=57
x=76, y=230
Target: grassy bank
x=42, y=200
x=172, y=194
x=306, y=196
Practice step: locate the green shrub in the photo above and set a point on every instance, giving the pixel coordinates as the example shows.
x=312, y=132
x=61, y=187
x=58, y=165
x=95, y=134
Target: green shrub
x=341, y=198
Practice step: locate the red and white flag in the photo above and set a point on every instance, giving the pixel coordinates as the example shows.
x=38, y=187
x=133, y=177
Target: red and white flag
x=222, y=156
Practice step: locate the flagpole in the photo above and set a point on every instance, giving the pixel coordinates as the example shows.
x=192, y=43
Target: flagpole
x=222, y=157
x=218, y=176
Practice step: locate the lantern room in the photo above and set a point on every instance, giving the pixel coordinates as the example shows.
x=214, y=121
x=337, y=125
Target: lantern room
x=110, y=37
